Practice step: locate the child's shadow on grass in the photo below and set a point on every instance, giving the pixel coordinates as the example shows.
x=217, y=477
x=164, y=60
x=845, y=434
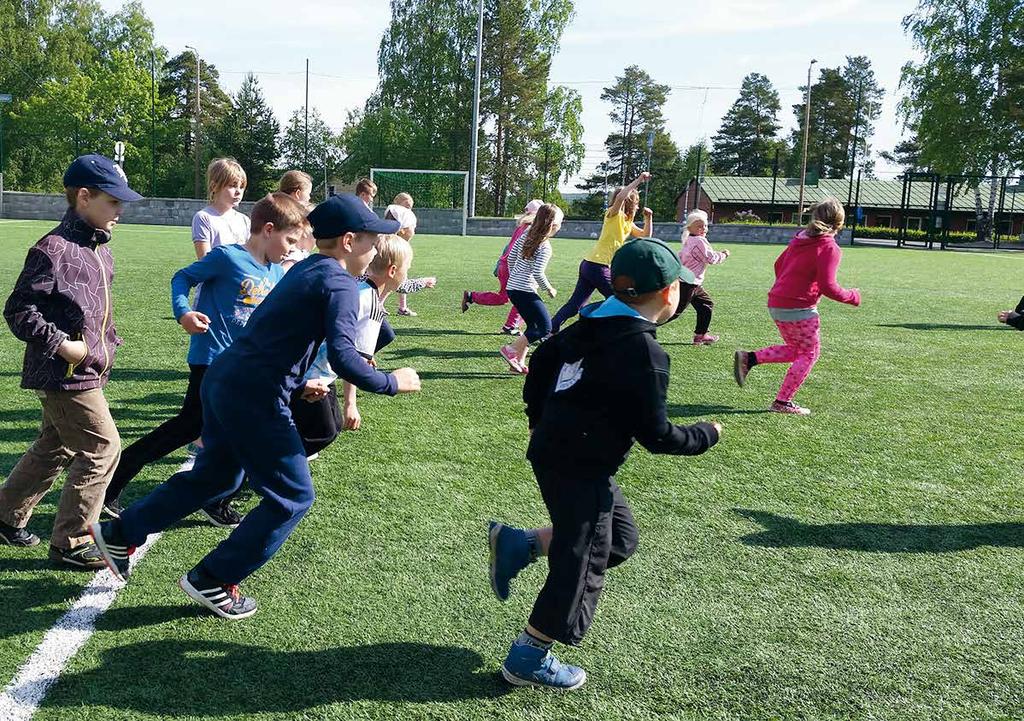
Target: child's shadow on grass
x=176, y=678
x=782, y=532
x=406, y=353
x=943, y=326
x=676, y=410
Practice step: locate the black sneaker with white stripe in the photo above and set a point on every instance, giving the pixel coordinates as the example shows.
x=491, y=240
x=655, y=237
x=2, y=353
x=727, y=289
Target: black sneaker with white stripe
x=222, y=514
x=223, y=599
x=112, y=546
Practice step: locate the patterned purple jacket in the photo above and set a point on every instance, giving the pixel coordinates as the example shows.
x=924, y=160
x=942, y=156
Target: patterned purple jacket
x=64, y=292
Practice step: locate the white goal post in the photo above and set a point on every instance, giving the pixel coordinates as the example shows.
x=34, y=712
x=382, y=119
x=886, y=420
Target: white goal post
x=432, y=190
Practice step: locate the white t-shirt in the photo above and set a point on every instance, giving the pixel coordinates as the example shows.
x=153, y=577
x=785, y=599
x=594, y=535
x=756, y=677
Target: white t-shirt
x=210, y=226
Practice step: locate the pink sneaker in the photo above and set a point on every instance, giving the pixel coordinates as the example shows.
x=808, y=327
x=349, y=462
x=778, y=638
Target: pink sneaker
x=704, y=339
x=512, y=358
x=790, y=407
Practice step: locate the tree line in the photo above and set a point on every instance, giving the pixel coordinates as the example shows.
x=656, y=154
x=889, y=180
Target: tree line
x=83, y=78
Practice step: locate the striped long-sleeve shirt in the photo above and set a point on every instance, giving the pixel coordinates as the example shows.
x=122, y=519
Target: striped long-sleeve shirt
x=527, y=274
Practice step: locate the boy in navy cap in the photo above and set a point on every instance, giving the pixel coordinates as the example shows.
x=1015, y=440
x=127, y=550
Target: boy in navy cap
x=61, y=307
x=592, y=389
x=247, y=426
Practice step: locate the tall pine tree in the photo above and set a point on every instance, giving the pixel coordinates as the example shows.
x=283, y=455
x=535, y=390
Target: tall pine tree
x=248, y=132
x=747, y=141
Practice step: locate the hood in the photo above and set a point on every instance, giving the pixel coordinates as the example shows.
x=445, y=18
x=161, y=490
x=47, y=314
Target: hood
x=802, y=238
x=588, y=333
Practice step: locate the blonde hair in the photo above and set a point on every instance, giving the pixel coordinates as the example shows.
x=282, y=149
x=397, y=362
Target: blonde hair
x=827, y=217
x=548, y=216
x=529, y=212
x=691, y=218
x=295, y=180
x=391, y=251
x=403, y=199
x=222, y=172
x=278, y=208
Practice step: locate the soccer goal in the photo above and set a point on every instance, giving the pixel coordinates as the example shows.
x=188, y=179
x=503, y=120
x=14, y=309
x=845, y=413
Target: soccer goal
x=440, y=197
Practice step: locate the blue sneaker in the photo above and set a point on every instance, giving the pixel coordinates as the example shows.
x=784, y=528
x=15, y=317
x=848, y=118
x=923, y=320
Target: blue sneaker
x=510, y=554
x=531, y=666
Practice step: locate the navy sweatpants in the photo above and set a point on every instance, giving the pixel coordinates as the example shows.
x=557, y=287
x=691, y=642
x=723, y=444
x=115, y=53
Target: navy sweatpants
x=255, y=437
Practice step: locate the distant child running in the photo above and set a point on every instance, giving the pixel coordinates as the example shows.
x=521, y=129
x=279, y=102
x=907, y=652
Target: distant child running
x=804, y=272
x=61, y=307
x=528, y=261
x=469, y=297
x=618, y=227
x=697, y=255
x=247, y=426
x=220, y=223
x=236, y=279
x=401, y=210
x=593, y=389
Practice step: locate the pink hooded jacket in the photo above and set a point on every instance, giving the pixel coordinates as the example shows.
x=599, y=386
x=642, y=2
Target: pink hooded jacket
x=805, y=271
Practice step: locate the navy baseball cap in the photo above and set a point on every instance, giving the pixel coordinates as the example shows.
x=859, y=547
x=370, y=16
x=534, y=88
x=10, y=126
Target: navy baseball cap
x=346, y=213
x=96, y=171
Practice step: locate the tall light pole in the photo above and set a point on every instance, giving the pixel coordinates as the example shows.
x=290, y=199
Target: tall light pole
x=807, y=126
x=471, y=210
x=199, y=67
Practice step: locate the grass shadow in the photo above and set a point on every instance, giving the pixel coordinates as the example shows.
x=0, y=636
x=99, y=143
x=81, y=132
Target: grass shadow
x=676, y=410
x=943, y=326
x=783, y=532
x=431, y=332
x=175, y=678
x=465, y=376
x=406, y=353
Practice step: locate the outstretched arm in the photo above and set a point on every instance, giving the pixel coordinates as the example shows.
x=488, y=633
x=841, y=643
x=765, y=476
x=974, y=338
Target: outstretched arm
x=620, y=198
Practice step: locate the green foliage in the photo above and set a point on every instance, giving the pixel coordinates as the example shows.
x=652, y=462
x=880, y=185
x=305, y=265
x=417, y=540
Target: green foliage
x=964, y=97
x=746, y=142
x=325, y=151
x=248, y=132
x=835, y=116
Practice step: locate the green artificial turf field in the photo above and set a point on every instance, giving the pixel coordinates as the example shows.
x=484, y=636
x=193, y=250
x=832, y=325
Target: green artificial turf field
x=864, y=562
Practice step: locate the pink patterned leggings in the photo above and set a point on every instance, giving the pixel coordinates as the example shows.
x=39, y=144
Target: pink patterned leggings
x=802, y=346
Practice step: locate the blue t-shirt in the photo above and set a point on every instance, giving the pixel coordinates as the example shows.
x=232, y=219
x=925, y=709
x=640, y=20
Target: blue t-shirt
x=234, y=284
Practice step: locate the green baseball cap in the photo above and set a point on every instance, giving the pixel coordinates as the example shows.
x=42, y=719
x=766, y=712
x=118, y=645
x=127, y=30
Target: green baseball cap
x=645, y=265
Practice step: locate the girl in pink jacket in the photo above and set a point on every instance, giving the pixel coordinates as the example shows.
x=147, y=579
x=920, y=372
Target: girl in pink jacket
x=804, y=272
x=697, y=255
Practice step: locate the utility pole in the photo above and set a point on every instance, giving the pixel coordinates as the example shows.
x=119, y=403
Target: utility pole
x=152, y=123
x=853, y=151
x=807, y=125
x=775, y=178
x=696, y=195
x=305, y=146
x=199, y=71
x=547, y=155
x=471, y=210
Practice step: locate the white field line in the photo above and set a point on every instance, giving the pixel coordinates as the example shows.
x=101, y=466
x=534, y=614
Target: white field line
x=21, y=698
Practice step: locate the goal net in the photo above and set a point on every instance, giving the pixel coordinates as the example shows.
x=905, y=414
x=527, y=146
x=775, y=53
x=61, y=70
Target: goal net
x=440, y=197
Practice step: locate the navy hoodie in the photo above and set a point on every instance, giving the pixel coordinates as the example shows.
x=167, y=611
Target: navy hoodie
x=596, y=386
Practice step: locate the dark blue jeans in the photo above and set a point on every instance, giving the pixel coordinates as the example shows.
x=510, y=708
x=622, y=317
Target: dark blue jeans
x=246, y=433
x=534, y=312
x=593, y=276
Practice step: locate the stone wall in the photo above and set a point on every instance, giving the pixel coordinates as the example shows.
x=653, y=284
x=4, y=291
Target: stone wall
x=179, y=211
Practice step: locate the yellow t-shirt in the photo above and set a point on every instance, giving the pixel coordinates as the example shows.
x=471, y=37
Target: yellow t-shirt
x=614, y=233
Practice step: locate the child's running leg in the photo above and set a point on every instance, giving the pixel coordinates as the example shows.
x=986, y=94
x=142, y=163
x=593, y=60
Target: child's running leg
x=166, y=438
x=489, y=297
x=513, y=319
x=803, y=337
x=1020, y=306
x=585, y=287
x=703, y=306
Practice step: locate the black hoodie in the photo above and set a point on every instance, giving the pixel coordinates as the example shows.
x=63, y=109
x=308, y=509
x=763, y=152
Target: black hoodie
x=595, y=387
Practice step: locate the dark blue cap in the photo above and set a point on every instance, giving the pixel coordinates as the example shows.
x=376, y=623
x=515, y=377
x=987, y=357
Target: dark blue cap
x=96, y=171
x=346, y=213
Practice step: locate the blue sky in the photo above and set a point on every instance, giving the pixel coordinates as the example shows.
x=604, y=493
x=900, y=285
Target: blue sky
x=685, y=44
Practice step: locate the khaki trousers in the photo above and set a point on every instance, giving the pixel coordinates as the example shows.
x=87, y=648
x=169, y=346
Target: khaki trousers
x=78, y=433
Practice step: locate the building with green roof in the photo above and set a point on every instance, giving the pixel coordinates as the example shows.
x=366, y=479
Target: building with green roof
x=881, y=201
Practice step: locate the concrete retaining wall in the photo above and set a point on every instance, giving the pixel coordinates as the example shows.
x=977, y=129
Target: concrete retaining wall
x=179, y=211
